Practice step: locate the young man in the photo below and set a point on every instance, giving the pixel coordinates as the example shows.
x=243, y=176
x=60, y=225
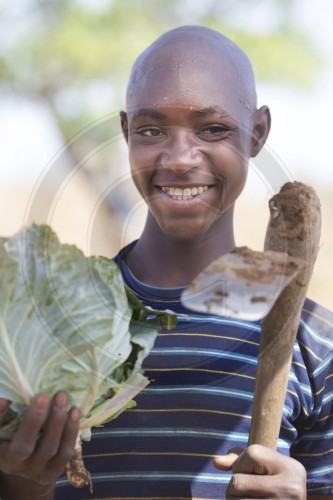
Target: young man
x=191, y=124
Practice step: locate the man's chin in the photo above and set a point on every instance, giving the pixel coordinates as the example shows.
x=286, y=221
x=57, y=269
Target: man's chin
x=184, y=233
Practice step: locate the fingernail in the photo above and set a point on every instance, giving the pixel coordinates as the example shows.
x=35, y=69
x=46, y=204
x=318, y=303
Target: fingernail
x=61, y=400
x=75, y=415
x=41, y=401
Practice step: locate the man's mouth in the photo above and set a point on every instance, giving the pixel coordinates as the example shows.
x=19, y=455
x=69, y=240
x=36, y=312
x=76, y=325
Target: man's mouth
x=184, y=194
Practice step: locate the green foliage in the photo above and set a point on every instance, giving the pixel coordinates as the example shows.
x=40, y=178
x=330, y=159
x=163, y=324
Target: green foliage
x=77, y=44
x=68, y=47
x=283, y=57
x=6, y=74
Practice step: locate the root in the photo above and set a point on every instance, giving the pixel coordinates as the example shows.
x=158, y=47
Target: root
x=76, y=472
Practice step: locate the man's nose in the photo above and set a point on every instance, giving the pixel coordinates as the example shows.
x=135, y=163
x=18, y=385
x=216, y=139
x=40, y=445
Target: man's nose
x=181, y=152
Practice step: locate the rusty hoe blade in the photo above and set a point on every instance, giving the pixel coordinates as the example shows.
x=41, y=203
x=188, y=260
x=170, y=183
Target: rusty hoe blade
x=242, y=284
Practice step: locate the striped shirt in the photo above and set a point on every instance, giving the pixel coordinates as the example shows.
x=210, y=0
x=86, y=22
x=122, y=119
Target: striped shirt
x=199, y=404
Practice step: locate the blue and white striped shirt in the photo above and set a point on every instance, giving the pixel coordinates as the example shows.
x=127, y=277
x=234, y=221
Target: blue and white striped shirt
x=199, y=404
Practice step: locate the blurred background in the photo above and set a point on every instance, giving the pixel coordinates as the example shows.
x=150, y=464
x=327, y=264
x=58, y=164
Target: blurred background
x=63, y=71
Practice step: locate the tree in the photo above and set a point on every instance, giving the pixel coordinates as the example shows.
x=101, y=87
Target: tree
x=66, y=53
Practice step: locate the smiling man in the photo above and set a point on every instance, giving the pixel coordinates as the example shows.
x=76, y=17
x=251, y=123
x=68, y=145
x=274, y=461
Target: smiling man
x=191, y=124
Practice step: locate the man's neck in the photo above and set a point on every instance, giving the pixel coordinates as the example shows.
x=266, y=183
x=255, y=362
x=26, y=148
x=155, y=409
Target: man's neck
x=159, y=261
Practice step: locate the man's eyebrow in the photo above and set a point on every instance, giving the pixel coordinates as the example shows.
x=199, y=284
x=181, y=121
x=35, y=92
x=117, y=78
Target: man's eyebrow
x=147, y=113
x=210, y=110
x=196, y=112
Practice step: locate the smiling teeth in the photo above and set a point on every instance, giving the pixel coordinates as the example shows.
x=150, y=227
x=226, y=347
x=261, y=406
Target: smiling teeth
x=184, y=194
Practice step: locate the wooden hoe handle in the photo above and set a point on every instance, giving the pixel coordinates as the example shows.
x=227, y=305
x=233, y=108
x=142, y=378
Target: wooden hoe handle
x=293, y=228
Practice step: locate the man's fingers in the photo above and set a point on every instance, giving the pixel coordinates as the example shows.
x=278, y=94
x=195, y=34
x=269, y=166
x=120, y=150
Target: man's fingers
x=44, y=441
x=67, y=444
x=70, y=433
x=258, y=459
x=4, y=404
x=255, y=459
x=48, y=444
x=225, y=462
x=24, y=441
x=252, y=486
x=259, y=472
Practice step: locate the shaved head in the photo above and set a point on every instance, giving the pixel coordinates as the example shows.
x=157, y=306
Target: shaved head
x=199, y=49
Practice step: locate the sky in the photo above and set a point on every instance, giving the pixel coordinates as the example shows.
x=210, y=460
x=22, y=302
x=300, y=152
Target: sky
x=301, y=134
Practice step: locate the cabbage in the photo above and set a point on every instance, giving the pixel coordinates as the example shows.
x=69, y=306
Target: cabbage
x=68, y=322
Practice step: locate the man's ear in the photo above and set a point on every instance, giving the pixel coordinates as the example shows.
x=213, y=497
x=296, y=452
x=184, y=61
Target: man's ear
x=124, y=124
x=260, y=129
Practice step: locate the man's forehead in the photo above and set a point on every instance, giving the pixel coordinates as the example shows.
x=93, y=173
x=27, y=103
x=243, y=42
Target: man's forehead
x=168, y=63
x=170, y=80
x=201, y=92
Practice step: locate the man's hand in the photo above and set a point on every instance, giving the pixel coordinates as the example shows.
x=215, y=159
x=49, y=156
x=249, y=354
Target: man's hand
x=38, y=459
x=259, y=472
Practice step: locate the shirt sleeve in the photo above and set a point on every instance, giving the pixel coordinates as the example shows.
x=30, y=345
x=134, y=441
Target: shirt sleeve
x=314, y=445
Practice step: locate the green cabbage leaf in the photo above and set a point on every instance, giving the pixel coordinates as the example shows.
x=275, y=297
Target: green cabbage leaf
x=68, y=322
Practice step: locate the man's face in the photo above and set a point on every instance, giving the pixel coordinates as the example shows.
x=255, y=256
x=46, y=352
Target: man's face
x=189, y=138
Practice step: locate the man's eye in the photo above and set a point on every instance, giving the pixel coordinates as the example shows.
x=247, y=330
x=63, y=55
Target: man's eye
x=213, y=130
x=150, y=132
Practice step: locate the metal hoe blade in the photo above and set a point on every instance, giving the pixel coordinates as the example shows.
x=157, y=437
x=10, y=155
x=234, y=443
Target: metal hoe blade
x=242, y=284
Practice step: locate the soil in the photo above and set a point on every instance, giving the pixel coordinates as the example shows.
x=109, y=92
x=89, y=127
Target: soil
x=293, y=211
x=259, y=298
x=263, y=267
